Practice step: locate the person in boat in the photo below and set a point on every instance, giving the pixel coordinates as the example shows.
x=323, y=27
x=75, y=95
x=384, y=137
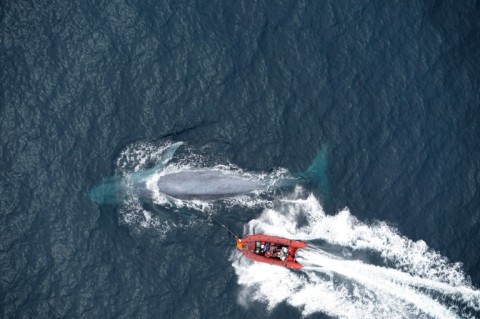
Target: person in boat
x=274, y=251
x=268, y=250
x=278, y=253
x=271, y=250
x=283, y=253
x=266, y=247
x=260, y=248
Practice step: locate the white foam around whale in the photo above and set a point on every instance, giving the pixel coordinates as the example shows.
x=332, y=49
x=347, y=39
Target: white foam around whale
x=142, y=165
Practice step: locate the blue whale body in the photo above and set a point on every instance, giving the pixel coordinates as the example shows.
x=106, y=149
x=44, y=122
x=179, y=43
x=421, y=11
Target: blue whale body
x=211, y=183
x=208, y=184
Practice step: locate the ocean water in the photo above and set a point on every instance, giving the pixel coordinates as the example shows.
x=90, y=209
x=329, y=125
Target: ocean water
x=384, y=94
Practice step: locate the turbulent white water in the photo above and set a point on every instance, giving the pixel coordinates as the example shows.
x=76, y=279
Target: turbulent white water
x=411, y=281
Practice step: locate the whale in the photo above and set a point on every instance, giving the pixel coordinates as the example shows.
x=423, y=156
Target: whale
x=210, y=184
x=193, y=182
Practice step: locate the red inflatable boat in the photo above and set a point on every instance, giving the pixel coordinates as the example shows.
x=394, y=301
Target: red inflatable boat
x=271, y=250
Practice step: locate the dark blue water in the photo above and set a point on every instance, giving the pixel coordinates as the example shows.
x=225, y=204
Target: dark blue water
x=390, y=89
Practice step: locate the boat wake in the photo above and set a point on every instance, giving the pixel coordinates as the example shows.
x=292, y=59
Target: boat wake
x=354, y=270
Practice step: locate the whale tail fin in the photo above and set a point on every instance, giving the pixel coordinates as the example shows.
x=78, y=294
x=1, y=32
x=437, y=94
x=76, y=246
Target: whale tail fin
x=316, y=174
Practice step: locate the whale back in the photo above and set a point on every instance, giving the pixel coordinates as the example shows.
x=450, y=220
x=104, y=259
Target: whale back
x=206, y=184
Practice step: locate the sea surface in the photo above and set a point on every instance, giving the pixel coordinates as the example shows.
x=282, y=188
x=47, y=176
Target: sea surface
x=380, y=99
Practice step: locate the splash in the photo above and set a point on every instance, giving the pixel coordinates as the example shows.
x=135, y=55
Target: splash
x=352, y=269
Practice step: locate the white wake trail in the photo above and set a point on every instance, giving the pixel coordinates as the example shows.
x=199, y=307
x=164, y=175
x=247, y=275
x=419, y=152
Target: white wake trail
x=422, y=294
x=409, y=280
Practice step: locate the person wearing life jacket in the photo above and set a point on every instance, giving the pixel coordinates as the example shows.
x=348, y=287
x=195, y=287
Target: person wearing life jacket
x=269, y=250
x=267, y=247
